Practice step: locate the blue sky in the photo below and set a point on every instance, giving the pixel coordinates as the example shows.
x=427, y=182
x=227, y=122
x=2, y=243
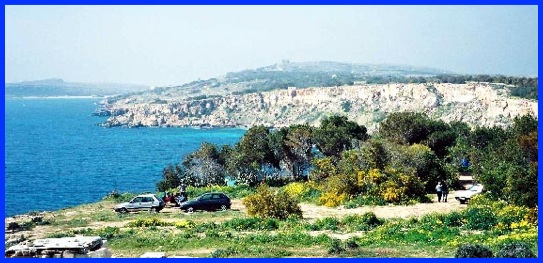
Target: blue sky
x=171, y=45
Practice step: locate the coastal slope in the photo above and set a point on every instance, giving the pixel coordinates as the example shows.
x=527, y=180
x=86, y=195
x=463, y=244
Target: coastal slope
x=476, y=103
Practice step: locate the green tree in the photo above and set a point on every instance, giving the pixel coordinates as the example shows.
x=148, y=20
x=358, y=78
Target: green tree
x=440, y=140
x=246, y=162
x=524, y=125
x=298, y=147
x=170, y=178
x=203, y=167
x=336, y=134
x=421, y=161
x=405, y=127
x=506, y=161
x=374, y=154
x=254, y=146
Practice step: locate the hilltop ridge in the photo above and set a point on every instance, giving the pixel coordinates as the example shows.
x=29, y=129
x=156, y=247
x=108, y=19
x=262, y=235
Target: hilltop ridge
x=296, y=93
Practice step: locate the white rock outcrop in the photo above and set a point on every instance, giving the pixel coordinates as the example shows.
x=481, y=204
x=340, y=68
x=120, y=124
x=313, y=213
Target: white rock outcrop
x=474, y=103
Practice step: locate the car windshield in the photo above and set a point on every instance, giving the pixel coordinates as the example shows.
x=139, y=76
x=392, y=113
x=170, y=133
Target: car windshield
x=475, y=188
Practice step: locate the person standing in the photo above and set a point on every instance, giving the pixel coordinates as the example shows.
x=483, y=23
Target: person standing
x=444, y=191
x=183, y=192
x=439, y=190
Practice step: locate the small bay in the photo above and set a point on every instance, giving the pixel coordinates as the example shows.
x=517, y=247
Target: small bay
x=56, y=155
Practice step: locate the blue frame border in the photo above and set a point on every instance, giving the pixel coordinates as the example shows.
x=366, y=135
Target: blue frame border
x=271, y=2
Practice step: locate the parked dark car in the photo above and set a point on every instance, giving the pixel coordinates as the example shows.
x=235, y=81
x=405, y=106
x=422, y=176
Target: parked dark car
x=207, y=201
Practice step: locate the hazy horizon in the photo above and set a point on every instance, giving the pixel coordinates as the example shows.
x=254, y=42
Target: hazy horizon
x=172, y=45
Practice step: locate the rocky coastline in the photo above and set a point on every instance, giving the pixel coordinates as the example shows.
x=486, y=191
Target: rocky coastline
x=478, y=104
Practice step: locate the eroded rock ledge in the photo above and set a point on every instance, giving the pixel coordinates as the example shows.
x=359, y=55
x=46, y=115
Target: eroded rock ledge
x=480, y=104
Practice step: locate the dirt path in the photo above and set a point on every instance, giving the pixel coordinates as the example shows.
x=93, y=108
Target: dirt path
x=313, y=212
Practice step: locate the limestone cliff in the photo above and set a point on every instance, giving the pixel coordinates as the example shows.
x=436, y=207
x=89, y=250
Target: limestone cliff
x=481, y=104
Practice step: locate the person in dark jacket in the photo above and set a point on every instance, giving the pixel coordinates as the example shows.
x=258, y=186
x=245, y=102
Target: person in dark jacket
x=444, y=192
x=439, y=190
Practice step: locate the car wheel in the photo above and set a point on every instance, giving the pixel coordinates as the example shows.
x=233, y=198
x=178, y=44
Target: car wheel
x=153, y=210
x=190, y=210
x=123, y=210
x=224, y=207
x=462, y=201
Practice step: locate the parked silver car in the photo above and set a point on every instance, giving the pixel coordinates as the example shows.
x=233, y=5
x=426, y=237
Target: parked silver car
x=145, y=202
x=464, y=196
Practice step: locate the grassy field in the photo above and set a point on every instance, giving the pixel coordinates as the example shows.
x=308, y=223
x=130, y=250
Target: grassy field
x=233, y=234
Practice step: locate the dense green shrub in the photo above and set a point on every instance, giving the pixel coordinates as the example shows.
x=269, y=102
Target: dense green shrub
x=251, y=223
x=454, y=219
x=223, y=253
x=480, y=218
x=211, y=233
x=484, y=200
x=515, y=250
x=473, y=251
x=327, y=223
x=364, y=222
x=118, y=197
x=335, y=247
x=200, y=228
x=351, y=243
x=267, y=203
x=108, y=232
x=432, y=221
x=13, y=226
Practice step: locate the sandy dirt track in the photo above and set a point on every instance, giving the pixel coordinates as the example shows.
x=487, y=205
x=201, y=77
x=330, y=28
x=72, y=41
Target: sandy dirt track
x=313, y=212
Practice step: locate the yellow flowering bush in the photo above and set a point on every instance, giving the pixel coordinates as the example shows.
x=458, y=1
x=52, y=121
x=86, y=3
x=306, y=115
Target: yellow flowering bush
x=296, y=189
x=332, y=199
x=268, y=203
x=153, y=221
x=531, y=216
x=324, y=168
x=337, y=189
x=391, y=185
x=529, y=235
x=522, y=225
x=510, y=214
x=184, y=224
x=392, y=192
x=369, y=181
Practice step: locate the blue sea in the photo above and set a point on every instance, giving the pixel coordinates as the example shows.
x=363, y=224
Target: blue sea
x=56, y=156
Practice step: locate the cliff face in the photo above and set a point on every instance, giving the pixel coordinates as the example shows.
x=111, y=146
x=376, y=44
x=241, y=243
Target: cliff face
x=474, y=103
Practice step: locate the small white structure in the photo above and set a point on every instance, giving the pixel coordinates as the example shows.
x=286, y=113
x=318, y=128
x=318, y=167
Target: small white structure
x=153, y=255
x=65, y=247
